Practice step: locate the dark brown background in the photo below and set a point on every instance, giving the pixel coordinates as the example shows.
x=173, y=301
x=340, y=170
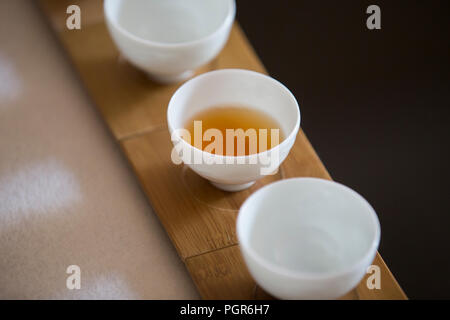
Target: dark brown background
x=375, y=105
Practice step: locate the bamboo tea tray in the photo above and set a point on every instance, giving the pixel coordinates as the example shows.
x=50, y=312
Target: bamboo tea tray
x=199, y=219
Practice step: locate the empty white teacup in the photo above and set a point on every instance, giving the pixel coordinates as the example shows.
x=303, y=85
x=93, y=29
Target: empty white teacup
x=307, y=238
x=233, y=87
x=169, y=39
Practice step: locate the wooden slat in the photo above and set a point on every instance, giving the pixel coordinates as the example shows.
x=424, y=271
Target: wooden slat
x=200, y=220
x=222, y=274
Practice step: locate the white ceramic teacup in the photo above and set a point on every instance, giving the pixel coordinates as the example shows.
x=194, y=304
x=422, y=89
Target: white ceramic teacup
x=229, y=87
x=171, y=38
x=307, y=238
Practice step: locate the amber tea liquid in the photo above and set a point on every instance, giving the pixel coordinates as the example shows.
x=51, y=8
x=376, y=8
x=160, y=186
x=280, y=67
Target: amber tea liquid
x=235, y=117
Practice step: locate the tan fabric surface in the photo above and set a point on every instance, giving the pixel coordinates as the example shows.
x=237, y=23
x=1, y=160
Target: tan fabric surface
x=67, y=195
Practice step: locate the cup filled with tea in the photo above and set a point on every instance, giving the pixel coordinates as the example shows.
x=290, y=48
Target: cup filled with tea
x=307, y=238
x=232, y=126
x=169, y=39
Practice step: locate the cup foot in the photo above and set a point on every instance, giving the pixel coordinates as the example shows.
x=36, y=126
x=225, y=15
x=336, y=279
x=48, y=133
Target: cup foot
x=232, y=187
x=172, y=78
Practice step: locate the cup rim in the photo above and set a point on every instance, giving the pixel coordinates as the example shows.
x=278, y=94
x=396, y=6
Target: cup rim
x=292, y=134
x=225, y=24
x=273, y=267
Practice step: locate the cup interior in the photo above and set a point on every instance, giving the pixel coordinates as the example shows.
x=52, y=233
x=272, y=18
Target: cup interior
x=235, y=87
x=308, y=226
x=169, y=21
